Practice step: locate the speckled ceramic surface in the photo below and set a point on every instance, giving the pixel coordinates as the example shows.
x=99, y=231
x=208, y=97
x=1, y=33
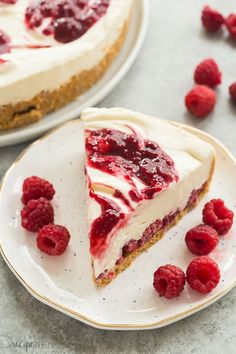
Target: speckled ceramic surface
x=65, y=282
x=120, y=66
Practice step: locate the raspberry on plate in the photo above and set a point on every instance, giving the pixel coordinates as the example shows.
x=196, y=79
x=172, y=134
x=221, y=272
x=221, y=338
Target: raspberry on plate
x=202, y=239
x=203, y=274
x=231, y=25
x=232, y=91
x=35, y=187
x=200, y=101
x=53, y=239
x=217, y=215
x=207, y=73
x=169, y=281
x=36, y=214
x=212, y=20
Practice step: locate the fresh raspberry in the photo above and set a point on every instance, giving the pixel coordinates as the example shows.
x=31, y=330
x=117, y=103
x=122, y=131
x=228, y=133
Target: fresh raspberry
x=203, y=274
x=200, y=101
x=212, y=20
x=35, y=187
x=232, y=92
x=36, y=214
x=53, y=239
x=207, y=73
x=217, y=215
x=169, y=281
x=231, y=25
x=201, y=239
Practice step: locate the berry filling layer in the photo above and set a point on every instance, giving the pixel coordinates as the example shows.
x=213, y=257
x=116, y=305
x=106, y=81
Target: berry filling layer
x=150, y=232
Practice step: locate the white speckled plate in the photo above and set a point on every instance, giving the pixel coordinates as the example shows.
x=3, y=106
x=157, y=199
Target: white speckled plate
x=65, y=282
x=120, y=66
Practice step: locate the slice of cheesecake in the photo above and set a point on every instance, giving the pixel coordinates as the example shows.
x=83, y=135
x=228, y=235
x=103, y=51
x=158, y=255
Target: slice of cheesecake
x=143, y=175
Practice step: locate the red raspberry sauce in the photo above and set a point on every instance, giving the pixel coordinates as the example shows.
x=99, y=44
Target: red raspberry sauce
x=127, y=156
x=68, y=19
x=4, y=42
x=110, y=217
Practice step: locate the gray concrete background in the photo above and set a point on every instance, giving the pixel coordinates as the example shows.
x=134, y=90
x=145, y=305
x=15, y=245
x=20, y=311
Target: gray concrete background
x=156, y=84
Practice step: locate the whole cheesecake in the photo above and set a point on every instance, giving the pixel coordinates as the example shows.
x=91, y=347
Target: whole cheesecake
x=52, y=51
x=143, y=175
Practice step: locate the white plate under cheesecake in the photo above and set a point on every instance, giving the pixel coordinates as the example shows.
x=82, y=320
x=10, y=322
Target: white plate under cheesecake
x=66, y=282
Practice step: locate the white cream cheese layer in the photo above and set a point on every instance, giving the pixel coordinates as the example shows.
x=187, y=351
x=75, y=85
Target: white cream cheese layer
x=193, y=160
x=30, y=71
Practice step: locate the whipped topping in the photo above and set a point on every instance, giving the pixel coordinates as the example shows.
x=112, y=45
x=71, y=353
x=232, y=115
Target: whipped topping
x=193, y=161
x=27, y=72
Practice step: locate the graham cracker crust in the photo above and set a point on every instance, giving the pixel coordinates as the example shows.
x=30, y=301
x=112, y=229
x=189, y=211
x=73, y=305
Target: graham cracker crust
x=28, y=112
x=128, y=259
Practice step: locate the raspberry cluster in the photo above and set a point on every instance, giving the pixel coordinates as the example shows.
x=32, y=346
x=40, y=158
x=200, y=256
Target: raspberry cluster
x=213, y=21
x=37, y=215
x=201, y=100
x=203, y=273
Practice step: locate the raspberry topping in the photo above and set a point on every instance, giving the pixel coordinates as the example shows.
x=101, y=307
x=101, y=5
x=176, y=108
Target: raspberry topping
x=67, y=30
x=102, y=227
x=169, y=281
x=212, y=20
x=217, y=215
x=35, y=187
x=207, y=73
x=4, y=43
x=128, y=155
x=53, y=239
x=203, y=274
x=67, y=20
x=117, y=194
x=200, y=101
x=36, y=214
x=231, y=25
x=202, y=239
